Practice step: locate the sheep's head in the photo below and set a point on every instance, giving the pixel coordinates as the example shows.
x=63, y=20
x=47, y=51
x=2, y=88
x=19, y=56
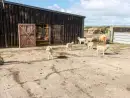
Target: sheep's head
x=49, y=48
x=72, y=42
x=78, y=37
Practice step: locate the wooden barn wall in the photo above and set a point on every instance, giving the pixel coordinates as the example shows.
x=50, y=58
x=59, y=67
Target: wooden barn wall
x=1, y=27
x=14, y=14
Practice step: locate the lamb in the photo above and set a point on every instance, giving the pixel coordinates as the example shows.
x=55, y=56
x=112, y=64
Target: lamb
x=89, y=39
x=103, y=38
x=49, y=51
x=90, y=45
x=69, y=46
x=102, y=48
x=81, y=40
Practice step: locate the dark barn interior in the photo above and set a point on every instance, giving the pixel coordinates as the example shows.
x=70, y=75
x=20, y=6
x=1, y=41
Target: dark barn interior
x=51, y=27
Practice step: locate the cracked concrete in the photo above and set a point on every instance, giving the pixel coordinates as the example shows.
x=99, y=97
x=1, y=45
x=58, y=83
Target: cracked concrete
x=27, y=74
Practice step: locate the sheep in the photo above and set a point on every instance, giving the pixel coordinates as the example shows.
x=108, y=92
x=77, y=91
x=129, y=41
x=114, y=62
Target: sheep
x=49, y=51
x=89, y=39
x=102, y=38
x=102, y=48
x=69, y=46
x=81, y=40
x=90, y=45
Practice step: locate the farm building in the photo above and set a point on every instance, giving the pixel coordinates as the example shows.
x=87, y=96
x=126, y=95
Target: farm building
x=25, y=26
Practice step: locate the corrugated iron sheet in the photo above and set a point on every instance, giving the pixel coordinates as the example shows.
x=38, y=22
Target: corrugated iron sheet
x=122, y=37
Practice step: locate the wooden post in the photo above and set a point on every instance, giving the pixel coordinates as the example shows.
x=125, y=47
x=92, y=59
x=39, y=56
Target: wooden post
x=112, y=34
x=49, y=28
x=82, y=33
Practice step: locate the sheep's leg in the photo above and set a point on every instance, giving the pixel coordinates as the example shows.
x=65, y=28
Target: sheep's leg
x=97, y=52
x=48, y=56
x=79, y=42
x=70, y=48
x=85, y=43
x=91, y=47
x=103, y=52
x=51, y=56
x=87, y=47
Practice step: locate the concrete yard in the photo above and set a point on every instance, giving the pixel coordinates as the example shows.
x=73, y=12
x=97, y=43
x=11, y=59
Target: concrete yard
x=28, y=74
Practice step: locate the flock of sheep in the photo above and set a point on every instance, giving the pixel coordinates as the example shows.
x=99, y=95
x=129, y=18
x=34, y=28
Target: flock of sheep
x=87, y=41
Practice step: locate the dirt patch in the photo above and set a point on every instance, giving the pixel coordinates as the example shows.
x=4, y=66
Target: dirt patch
x=128, y=88
x=77, y=74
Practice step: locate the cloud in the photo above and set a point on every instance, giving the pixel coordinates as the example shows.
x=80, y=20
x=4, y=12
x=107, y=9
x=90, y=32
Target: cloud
x=102, y=12
x=56, y=7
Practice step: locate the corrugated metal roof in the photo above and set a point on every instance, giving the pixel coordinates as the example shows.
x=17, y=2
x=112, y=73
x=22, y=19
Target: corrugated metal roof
x=43, y=9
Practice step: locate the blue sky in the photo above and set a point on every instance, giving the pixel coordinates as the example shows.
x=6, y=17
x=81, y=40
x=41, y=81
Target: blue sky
x=97, y=12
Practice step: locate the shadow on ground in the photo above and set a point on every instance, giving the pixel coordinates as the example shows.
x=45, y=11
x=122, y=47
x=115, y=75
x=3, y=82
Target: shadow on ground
x=31, y=62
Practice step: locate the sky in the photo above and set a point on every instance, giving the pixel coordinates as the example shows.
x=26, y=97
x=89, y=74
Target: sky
x=97, y=12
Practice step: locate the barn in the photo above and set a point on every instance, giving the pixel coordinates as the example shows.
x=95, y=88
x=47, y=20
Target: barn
x=28, y=26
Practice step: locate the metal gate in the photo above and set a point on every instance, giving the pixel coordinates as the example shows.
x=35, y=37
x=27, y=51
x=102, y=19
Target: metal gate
x=27, y=35
x=57, y=34
x=121, y=37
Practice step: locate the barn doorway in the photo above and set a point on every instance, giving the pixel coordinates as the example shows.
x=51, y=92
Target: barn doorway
x=27, y=35
x=42, y=34
x=57, y=34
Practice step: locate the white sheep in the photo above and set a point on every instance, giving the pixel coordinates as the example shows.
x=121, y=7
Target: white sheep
x=69, y=46
x=102, y=48
x=89, y=39
x=81, y=40
x=49, y=51
x=90, y=45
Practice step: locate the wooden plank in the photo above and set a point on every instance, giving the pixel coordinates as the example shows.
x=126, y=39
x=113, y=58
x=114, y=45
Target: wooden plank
x=13, y=26
x=16, y=26
x=5, y=29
